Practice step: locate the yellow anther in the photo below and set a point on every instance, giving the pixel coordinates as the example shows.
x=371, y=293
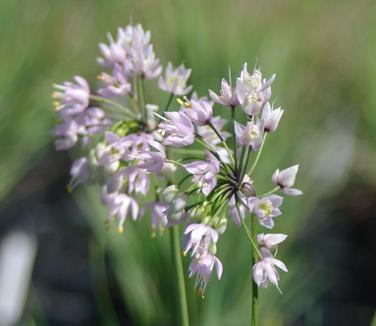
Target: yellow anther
x=69, y=189
x=120, y=229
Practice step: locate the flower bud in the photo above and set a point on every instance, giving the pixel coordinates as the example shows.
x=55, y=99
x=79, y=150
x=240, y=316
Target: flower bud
x=169, y=194
x=221, y=225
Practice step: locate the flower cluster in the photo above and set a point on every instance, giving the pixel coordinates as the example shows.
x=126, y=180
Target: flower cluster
x=133, y=150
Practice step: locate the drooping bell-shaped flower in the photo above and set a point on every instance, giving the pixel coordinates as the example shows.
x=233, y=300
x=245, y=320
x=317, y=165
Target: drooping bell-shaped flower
x=264, y=271
x=80, y=172
x=119, y=206
x=202, y=268
x=159, y=219
x=285, y=179
x=200, y=238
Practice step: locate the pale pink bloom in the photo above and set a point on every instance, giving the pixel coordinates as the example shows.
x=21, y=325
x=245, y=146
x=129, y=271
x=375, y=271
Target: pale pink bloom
x=266, y=208
x=227, y=97
x=113, y=53
x=175, y=80
x=179, y=129
x=204, y=173
x=80, y=172
x=202, y=268
x=66, y=135
x=265, y=271
x=234, y=211
x=270, y=241
x=253, y=91
x=138, y=180
x=200, y=238
x=71, y=98
x=119, y=206
x=158, y=216
x=271, y=117
x=285, y=179
x=115, y=84
x=250, y=135
x=200, y=112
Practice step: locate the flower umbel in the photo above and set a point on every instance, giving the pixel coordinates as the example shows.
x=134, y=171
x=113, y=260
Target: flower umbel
x=188, y=166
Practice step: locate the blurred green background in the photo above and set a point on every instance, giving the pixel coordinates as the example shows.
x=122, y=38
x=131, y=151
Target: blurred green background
x=324, y=55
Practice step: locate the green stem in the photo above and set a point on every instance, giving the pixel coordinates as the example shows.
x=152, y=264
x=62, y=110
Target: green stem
x=237, y=168
x=122, y=109
x=175, y=246
x=223, y=143
x=254, y=285
x=258, y=156
x=255, y=252
x=270, y=192
x=141, y=90
x=169, y=101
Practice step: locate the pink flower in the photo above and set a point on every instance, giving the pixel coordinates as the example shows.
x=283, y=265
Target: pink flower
x=175, y=81
x=200, y=112
x=228, y=96
x=285, y=179
x=264, y=271
x=204, y=173
x=202, y=268
x=179, y=128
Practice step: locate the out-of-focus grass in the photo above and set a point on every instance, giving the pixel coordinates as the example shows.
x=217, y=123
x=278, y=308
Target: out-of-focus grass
x=323, y=53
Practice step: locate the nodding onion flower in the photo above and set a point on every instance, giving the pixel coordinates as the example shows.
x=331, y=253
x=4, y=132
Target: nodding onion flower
x=133, y=149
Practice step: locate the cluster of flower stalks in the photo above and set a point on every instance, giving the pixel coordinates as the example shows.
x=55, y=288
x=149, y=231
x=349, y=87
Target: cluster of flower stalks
x=134, y=150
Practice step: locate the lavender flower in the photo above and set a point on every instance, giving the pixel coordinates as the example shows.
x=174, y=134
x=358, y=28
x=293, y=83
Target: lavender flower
x=266, y=208
x=200, y=112
x=66, y=135
x=201, y=237
x=71, y=98
x=204, y=173
x=270, y=241
x=285, y=179
x=114, y=150
x=115, y=84
x=271, y=117
x=203, y=268
x=113, y=54
x=264, y=271
x=138, y=180
x=227, y=97
x=119, y=205
x=175, y=81
x=250, y=135
x=158, y=216
x=234, y=211
x=253, y=91
x=179, y=128
x=144, y=62
x=80, y=172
